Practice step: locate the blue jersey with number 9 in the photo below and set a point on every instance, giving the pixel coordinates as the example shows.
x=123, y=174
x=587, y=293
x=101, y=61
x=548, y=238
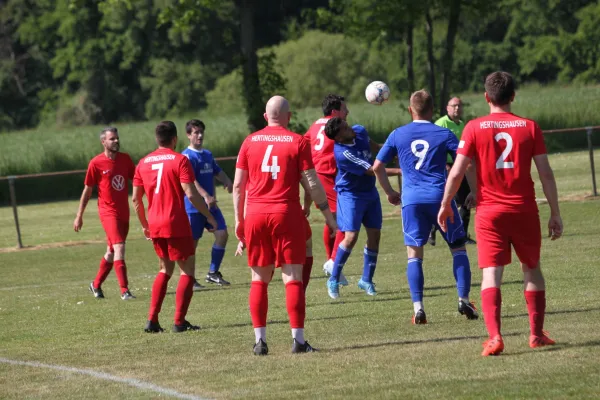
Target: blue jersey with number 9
x=422, y=148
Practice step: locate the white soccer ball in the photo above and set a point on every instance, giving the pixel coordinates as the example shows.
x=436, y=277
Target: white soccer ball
x=377, y=92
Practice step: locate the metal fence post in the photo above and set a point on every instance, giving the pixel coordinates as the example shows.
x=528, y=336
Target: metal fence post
x=589, y=131
x=13, y=202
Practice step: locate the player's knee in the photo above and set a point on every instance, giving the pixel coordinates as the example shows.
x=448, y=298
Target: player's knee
x=221, y=237
x=458, y=245
x=309, y=248
x=350, y=239
x=119, y=251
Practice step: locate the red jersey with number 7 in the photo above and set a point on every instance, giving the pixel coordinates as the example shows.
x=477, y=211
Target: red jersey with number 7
x=161, y=174
x=321, y=147
x=503, y=146
x=274, y=158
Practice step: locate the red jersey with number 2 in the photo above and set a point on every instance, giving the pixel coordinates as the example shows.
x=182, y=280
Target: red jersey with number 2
x=503, y=146
x=321, y=148
x=161, y=174
x=112, y=179
x=274, y=158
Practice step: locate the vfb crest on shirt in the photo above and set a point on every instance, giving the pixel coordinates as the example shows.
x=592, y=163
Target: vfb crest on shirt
x=118, y=182
x=207, y=168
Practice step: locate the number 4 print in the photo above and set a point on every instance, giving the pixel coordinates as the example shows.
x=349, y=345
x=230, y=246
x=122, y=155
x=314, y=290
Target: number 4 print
x=273, y=169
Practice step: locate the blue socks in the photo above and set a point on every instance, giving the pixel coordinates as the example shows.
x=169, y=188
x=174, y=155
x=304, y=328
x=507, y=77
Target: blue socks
x=416, y=280
x=340, y=260
x=217, y=255
x=370, y=262
x=462, y=273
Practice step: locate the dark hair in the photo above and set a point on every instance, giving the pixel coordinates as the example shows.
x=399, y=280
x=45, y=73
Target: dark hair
x=421, y=102
x=108, y=129
x=332, y=102
x=500, y=87
x=165, y=132
x=194, y=123
x=333, y=126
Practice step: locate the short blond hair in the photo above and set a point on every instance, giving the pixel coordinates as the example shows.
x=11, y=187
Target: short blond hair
x=421, y=102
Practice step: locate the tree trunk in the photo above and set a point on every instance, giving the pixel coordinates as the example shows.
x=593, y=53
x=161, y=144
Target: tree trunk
x=251, y=91
x=430, y=57
x=448, y=58
x=410, y=73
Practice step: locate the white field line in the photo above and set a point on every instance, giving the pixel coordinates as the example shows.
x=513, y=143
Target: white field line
x=107, y=377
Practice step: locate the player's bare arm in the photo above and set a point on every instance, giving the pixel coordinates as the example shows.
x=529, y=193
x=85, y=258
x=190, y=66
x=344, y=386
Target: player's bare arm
x=211, y=201
x=196, y=199
x=382, y=176
x=555, y=224
x=239, y=200
x=85, y=198
x=317, y=193
x=307, y=198
x=471, y=175
x=224, y=179
x=455, y=177
x=140, y=211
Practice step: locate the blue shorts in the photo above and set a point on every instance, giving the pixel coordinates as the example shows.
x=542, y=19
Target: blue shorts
x=417, y=220
x=198, y=222
x=353, y=212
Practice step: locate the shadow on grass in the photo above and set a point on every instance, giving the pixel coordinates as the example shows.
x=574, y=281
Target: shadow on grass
x=556, y=347
x=582, y=310
x=473, y=285
x=409, y=342
x=363, y=299
x=279, y=322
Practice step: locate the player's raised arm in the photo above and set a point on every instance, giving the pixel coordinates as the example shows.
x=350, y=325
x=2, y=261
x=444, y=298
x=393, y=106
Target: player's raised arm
x=317, y=193
x=85, y=198
x=555, y=224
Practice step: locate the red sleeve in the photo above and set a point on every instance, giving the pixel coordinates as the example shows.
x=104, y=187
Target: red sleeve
x=466, y=146
x=137, y=177
x=304, y=155
x=186, y=173
x=242, y=160
x=539, y=146
x=91, y=176
x=131, y=168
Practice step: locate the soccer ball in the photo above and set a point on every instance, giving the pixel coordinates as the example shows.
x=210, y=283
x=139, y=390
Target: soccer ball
x=377, y=92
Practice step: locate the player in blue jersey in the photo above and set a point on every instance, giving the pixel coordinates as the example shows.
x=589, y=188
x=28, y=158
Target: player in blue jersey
x=206, y=170
x=422, y=148
x=357, y=200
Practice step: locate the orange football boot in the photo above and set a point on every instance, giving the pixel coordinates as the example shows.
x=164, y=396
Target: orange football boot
x=493, y=346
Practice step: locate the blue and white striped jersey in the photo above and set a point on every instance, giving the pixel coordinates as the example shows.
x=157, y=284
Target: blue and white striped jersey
x=353, y=160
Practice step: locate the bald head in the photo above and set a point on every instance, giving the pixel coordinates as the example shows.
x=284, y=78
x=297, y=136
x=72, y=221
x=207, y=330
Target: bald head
x=455, y=109
x=277, y=112
x=421, y=105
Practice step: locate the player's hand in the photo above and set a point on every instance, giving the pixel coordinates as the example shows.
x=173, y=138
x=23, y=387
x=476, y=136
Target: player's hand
x=332, y=224
x=146, y=233
x=555, y=227
x=213, y=223
x=228, y=186
x=77, y=224
x=239, y=231
x=394, y=198
x=306, y=210
x=443, y=216
x=471, y=201
x=240, y=249
x=211, y=202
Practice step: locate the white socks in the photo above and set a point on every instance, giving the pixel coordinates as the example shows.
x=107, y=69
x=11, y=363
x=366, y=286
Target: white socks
x=418, y=305
x=298, y=334
x=260, y=333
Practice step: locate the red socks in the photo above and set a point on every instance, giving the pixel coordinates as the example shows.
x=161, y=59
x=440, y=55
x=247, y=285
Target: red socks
x=491, y=304
x=159, y=290
x=183, y=297
x=339, y=237
x=308, y=264
x=121, y=272
x=296, y=304
x=536, y=306
x=103, y=272
x=328, y=241
x=259, y=303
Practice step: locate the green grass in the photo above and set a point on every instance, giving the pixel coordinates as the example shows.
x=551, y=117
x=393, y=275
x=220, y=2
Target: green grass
x=368, y=347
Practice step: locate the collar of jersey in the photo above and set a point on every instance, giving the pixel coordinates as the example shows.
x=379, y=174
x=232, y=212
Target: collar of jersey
x=193, y=149
x=422, y=121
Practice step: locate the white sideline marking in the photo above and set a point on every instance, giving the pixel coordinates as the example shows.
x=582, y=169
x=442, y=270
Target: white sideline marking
x=107, y=377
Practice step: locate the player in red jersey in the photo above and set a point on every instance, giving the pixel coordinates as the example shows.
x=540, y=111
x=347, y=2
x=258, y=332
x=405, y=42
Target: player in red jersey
x=166, y=176
x=271, y=163
x=111, y=172
x=503, y=145
x=321, y=148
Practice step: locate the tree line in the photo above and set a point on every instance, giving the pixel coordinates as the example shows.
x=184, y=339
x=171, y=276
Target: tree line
x=77, y=62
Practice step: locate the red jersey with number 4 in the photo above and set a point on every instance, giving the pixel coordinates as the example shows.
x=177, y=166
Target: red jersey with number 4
x=112, y=179
x=503, y=146
x=321, y=148
x=161, y=174
x=274, y=158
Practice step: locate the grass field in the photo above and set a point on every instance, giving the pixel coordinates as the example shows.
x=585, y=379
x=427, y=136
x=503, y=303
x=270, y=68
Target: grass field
x=368, y=346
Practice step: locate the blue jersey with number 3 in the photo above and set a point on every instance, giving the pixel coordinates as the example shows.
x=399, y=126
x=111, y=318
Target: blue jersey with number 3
x=422, y=148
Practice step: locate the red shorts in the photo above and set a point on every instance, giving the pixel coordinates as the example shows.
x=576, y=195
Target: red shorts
x=116, y=230
x=328, y=182
x=497, y=231
x=275, y=239
x=174, y=249
x=307, y=229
